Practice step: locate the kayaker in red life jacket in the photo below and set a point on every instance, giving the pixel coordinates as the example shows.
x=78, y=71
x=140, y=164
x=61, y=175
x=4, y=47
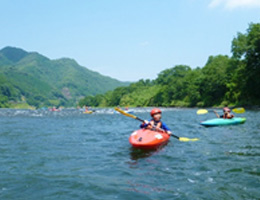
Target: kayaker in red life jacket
x=155, y=122
x=226, y=115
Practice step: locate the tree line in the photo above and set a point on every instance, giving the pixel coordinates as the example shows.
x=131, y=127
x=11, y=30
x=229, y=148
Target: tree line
x=222, y=81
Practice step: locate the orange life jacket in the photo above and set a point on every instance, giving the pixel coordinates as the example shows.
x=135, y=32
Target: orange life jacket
x=228, y=116
x=156, y=124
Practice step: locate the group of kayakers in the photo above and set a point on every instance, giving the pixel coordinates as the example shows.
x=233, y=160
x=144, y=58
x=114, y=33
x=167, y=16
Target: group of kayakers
x=156, y=124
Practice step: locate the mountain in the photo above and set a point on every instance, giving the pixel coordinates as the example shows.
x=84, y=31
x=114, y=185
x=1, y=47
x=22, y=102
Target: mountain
x=39, y=81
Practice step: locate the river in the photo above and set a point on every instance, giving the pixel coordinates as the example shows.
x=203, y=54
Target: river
x=70, y=155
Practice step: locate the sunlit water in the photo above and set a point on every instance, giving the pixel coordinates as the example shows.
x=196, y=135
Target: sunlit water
x=71, y=155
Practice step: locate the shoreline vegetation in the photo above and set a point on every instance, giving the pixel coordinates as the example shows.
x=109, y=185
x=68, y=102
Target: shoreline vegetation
x=223, y=81
x=27, y=107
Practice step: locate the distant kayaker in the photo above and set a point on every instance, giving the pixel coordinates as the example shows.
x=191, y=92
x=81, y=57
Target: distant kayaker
x=155, y=122
x=54, y=109
x=226, y=115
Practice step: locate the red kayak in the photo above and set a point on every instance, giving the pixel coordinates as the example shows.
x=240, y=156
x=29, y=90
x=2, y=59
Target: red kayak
x=148, y=139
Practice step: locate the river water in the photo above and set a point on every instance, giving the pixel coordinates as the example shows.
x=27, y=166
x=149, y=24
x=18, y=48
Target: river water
x=71, y=155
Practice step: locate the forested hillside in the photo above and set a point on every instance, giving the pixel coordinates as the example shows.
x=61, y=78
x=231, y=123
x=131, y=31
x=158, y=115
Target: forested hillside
x=222, y=81
x=33, y=79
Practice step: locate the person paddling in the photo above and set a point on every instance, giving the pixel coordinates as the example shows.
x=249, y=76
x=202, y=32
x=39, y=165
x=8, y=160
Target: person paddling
x=226, y=115
x=155, y=122
x=86, y=108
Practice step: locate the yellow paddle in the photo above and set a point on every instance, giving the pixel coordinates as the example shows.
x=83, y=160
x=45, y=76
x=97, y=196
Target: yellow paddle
x=183, y=139
x=235, y=110
x=202, y=111
x=239, y=110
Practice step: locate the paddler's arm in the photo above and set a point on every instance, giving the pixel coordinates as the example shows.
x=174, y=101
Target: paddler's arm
x=145, y=124
x=216, y=114
x=166, y=129
x=231, y=116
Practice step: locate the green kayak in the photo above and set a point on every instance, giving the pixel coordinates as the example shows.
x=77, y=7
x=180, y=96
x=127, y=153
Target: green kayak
x=222, y=122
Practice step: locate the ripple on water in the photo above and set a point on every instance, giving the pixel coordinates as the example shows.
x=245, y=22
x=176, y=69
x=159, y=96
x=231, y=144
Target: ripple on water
x=69, y=155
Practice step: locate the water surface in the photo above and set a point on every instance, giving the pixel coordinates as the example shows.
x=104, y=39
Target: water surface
x=70, y=155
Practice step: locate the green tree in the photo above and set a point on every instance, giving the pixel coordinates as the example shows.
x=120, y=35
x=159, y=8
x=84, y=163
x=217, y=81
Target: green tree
x=214, y=79
x=3, y=101
x=246, y=49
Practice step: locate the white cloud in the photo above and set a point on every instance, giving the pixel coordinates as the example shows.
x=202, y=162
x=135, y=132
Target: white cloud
x=231, y=4
x=215, y=3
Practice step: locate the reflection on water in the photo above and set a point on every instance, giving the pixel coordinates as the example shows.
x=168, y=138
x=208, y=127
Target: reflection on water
x=136, y=154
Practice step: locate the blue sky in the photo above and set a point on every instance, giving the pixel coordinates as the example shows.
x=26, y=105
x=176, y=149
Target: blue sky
x=126, y=39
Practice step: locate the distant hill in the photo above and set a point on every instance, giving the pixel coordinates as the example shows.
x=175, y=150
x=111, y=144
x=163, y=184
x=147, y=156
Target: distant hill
x=32, y=78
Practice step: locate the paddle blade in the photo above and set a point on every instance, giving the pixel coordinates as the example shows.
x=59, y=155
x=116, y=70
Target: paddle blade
x=124, y=113
x=202, y=111
x=238, y=110
x=184, y=139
